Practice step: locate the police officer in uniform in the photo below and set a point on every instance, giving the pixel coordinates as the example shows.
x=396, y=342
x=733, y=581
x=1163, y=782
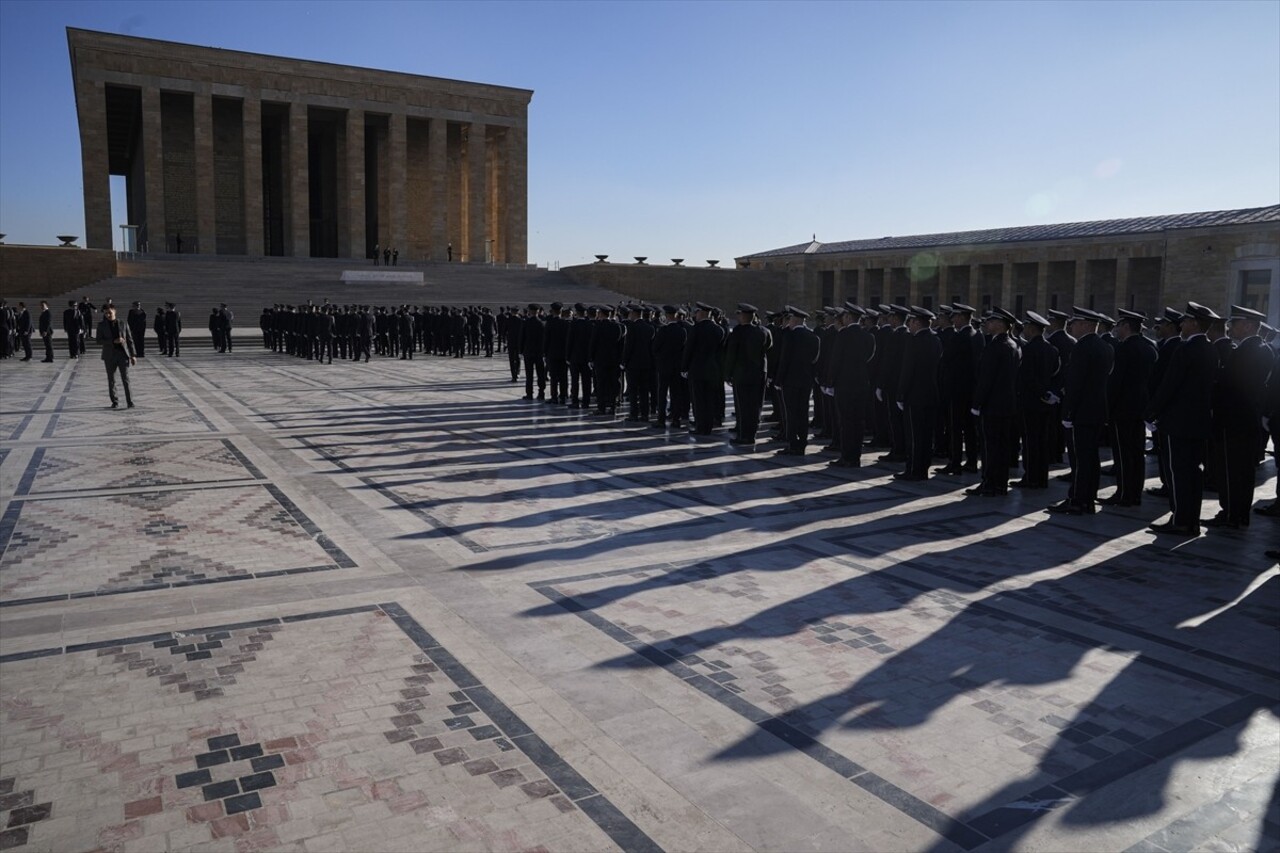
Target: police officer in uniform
x=995, y=394
x=1127, y=398
x=744, y=369
x=1181, y=408
x=796, y=365
x=137, y=320
x=1084, y=409
x=578, y=353
x=850, y=380
x=1237, y=419
x=917, y=396
x=700, y=367
x=668, y=353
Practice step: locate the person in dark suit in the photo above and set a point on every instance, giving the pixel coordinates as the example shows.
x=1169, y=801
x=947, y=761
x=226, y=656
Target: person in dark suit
x=137, y=320
x=1063, y=342
x=1084, y=410
x=533, y=351
x=557, y=351
x=1127, y=398
x=172, y=329
x=995, y=394
x=514, y=322
x=850, y=380
x=1168, y=339
x=668, y=355
x=578, y=354
x=744, y=369
x=1182, y=409
x=958, y=369
x=366, y=329
x=71, y=325
x=1037, y=370
x=23, y=329
x=796, y=365
x=607, y=335
x=700, y=366
x=889, y=380
x=637, y=362
x=1240, y=405
x=917, y=392
x=488, y=330
x=46, y=331
x=117, y=354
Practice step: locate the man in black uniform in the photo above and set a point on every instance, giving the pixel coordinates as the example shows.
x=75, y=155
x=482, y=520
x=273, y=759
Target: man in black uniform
x=668, y=353
x=889, y=381
x=172, y=329
x=137, y=320
x=71, y=325
x=578, y=355
x=917, y=392
x=700, y=367
x=46, y=331
x=1084, y=410
x=744, y=369
x=1181, y=408
x=514, y=322
x=637, y=361
x=1127, y=398
x=533, y=350
x=1036, y=371
x=22, y=328
x=1237, y=419
x=1061, y=340
x=959, y=364
x=557, y=351
x=994, y=402
x=488, y=330
x=796, y=365
x=850, y=378
x=606, y=360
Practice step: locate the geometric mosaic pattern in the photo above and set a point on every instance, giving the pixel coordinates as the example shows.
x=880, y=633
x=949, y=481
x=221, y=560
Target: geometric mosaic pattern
x=409, y=751
x=137, y=465
x=70, y=546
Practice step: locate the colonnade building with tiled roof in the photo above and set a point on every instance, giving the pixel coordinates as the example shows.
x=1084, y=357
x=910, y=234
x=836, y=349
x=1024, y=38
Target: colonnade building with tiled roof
x=1217, y=258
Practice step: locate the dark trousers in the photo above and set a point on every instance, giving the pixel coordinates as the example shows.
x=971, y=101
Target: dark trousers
x=897, y=430
x=580, y=384
x=174, y=345
x=48, y=347
x=997, y=435
x=534, y=363
x=558, y=373
x=795, y=408
x=123, y=367
x=73, y=345
x=703, y=394
x=963, y=430
x=919, y=422
x=139, y=341
x=1234, y=463
x=1129, y=448
x=638, y=392
x=748, y=400
x=880, y=422
x=851, y=408
x=1086, y=468
x=26, y=344
x=1186, y=478
x=362, y=348
x=671, y=398
x=607, y=384
x=513, y=358
x=1035, y=441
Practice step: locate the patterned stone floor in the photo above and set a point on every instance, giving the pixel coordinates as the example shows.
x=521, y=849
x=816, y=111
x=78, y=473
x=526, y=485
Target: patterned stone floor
x=286, y=606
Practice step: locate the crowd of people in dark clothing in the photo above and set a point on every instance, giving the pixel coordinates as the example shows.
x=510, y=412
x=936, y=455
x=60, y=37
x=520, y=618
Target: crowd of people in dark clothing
x=986, y=393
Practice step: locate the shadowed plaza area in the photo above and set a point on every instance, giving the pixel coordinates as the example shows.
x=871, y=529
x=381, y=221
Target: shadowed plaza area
x=392, y=606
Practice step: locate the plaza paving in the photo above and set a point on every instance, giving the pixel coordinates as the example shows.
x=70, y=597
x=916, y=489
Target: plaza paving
x=393, y=607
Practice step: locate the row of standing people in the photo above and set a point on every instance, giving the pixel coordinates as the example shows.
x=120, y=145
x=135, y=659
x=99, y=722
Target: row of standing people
x=17, y=329
x=354, y=332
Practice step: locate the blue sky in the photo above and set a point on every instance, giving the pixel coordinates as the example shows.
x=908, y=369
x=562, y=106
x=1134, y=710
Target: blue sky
x=714, y=129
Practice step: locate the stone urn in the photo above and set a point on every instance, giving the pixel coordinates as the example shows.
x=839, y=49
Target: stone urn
x=68, y=242
x=640, y=259
x=675, y=262
x=600, y=259
x=713, y=264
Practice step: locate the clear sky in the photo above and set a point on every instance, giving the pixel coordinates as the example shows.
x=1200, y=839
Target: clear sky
x=714, y=129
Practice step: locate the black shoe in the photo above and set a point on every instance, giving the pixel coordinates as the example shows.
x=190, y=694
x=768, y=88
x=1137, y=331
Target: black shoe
x=46, y=361
x=893, y=457
x=114, y=404
x=1158, y=491
x=1222, y=523
x=1271, y=511
x=1179, y=529
x=970, y=469
x=740, y=443
x=1065, y=477
x=949, y=470
x=1060, y=506
x=903, y=475
x=844, y=463
x=786, y=451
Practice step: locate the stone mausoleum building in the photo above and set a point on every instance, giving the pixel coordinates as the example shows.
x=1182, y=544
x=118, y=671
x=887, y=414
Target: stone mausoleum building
x=1217, y=258
x=234, y=153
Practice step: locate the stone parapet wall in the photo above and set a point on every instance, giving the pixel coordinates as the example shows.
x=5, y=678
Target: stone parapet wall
x=766, y=289
x=43, y=272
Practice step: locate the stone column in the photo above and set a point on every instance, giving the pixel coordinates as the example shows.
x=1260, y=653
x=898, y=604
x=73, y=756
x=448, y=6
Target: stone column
x=299, y=183
x=1040, y=303
x=1081, y=287
x=206, y=207
x=974, y=298
x=252, y=124
x=91, y=107
x=398, y=180
x=477, y=175
x=355, y=183
x=437, y=188
x=153, y=170
x=1005, y=297
x=1122, y=283
x=515, y=199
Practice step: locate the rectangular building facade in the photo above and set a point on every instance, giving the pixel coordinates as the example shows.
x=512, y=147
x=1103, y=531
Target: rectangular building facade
x=1217, y=258
x=234, y=153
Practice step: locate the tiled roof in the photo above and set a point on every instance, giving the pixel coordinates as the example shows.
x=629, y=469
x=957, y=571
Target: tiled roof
x=1063, y=231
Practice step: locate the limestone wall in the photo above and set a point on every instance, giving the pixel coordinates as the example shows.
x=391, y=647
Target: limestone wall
x=766, y=289
x=41, y=272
